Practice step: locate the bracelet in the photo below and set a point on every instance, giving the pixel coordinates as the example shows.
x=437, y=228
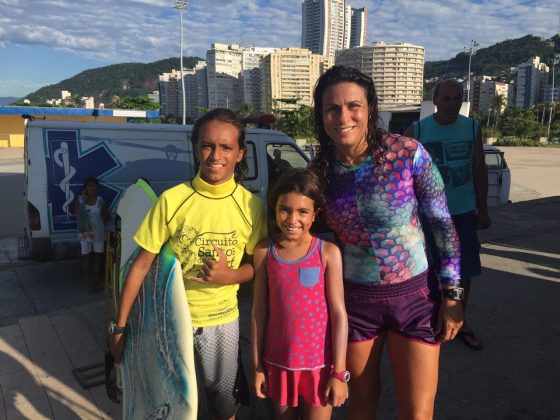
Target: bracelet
x=456, y=293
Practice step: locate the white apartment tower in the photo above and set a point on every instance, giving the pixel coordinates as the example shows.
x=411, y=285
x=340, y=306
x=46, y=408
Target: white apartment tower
x=289, y=73
x=396, y=69
x=234, y=75
x=196, y=92
x=251, y=75
x=224, y=65
x=488, y=90
x=531, y=80
x=327, y=26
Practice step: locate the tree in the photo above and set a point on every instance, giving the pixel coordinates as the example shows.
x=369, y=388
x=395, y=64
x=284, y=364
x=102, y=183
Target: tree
x=72, y=101
x=497, y=103
x=517, y=122
x=138, y=102
x=293, y=119
x=246, y=109
x=115, y=101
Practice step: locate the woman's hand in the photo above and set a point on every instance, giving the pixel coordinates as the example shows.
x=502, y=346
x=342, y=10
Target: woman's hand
x=116, y=346
x=450, y=319
x=259, y=383
x=336, y=392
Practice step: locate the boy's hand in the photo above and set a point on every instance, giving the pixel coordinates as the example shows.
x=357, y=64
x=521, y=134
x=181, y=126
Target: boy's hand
x=117, y=347
x=215, y=272
x=260, y=385
x=336, y=392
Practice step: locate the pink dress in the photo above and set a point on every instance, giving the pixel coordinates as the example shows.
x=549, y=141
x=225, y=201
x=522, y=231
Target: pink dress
x=297, y=352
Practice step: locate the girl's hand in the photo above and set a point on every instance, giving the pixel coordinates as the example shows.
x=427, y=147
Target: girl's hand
x=259, y=383
x=116, y=346
x=336, y=392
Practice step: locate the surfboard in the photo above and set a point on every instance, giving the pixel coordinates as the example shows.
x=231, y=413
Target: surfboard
x=157, y=367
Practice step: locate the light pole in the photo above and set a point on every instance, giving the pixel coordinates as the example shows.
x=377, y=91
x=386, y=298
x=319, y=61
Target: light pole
x=555, y=60
x=182, y=6
x=471, y=51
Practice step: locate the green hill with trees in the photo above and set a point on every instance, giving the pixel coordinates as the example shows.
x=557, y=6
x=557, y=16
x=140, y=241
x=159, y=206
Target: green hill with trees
x=495, y=60
x=139, y=79
x=117, y=80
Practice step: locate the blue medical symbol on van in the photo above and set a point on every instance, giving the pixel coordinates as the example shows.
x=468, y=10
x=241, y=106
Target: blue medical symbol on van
x=68, y=166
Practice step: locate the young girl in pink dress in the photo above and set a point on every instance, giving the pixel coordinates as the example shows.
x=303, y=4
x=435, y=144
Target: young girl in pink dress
x=299, y=323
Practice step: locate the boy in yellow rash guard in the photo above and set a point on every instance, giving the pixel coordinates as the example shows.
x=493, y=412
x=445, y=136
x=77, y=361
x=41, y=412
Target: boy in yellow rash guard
x=196, y=216
x=213, y=225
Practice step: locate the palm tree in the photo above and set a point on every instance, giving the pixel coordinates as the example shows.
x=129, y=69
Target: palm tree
x=115, y=101
x=497, y=103
x=246, y=109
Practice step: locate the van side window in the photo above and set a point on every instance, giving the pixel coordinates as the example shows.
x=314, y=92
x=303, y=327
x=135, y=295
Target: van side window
x=280, y=158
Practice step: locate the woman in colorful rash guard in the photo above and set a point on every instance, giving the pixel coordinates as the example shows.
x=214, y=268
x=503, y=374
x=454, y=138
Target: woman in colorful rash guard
x=376, y=183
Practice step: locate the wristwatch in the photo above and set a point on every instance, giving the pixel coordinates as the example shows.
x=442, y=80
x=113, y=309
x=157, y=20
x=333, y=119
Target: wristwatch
x=114, y=329
x=343, y=376
x=457, y=293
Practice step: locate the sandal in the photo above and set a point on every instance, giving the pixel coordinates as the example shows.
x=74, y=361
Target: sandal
x=470, y=339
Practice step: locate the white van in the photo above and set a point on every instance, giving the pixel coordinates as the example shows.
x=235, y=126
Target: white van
x=60, y=155
x=499, y=176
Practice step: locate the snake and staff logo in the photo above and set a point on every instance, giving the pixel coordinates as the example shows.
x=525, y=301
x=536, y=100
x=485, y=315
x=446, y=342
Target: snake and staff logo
x=67, y=168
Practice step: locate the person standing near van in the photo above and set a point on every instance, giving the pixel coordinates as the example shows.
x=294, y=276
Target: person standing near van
x=92, y=213
x=455, y=144
x=213, y=225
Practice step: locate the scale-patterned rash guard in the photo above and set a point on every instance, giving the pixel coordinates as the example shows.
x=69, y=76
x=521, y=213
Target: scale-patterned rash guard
x=195, y=216
x=373, y=211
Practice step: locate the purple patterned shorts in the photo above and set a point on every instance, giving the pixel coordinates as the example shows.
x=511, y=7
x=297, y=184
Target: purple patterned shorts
x=409, y=308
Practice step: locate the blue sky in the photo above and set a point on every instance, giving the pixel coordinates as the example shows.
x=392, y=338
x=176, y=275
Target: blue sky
x=46, y=41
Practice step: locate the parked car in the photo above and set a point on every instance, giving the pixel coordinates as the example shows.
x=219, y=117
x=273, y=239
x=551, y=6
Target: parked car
x=499, y=176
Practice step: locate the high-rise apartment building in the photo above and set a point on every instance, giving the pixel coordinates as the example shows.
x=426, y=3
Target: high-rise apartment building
x=196, y=92
x=289, y=73
x=251, y=75
x=396, y=69
x=234, y=75
x=224, y=65
x=474, y=94
x=532, y=78
x=551, y=94
x=327, y=26
x=488, y=91
x=358, y=27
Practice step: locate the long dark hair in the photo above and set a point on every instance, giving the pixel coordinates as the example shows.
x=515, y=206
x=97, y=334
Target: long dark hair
x=298, y=180
x=376, y=146
x=227, y=116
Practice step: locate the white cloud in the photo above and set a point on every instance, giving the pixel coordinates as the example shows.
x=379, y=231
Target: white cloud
x=444, y=29
x=147, y=30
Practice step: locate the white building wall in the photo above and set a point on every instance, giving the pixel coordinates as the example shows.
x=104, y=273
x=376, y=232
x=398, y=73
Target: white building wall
x=396, y=69
x=251, y=75
x=224, y=66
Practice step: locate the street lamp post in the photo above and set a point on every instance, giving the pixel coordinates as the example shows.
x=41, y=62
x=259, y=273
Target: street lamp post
x=555, y=60
x=471, y=51
x=182, y=6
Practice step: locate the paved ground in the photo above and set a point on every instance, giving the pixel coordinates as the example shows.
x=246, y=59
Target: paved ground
x=49, y=325
x=535, y=172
